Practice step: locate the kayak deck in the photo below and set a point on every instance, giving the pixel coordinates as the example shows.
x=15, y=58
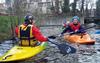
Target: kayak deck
x=81, y=39
x=18, y=53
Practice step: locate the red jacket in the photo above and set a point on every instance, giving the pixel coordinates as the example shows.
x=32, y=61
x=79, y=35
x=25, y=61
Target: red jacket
x=36, y=32
x=73, y=27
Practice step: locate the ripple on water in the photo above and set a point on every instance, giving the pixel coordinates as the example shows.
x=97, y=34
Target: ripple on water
x=4, y=47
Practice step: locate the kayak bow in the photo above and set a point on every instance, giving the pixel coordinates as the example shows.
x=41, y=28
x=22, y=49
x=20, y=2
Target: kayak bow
x=18, y=53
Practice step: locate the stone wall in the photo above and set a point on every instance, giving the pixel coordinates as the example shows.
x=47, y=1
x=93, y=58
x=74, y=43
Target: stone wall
x=57, y=20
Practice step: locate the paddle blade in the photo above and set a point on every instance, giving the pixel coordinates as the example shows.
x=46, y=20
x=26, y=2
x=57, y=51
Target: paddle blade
x=66, y=49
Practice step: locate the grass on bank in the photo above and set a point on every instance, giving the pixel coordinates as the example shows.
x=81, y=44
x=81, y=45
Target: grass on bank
x=7, y=23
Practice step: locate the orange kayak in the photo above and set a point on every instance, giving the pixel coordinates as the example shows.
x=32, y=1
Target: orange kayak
x=79, y=38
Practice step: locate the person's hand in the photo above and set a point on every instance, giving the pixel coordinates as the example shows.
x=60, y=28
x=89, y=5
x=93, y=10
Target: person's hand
x=76, y=31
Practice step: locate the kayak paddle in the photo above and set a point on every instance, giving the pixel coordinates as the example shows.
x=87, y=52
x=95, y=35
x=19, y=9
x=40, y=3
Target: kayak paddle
x=64, y=48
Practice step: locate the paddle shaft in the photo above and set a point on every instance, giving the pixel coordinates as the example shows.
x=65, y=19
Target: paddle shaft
x=89, y=27
x=53, y=42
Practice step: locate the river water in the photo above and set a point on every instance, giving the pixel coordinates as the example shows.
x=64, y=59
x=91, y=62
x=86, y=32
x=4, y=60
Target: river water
x=84, y=54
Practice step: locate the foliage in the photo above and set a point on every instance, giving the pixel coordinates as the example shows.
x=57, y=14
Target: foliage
x=7, y=24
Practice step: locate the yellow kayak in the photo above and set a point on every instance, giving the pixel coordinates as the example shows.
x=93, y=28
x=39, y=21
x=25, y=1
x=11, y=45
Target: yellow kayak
x=18, y=53
x=78, y=38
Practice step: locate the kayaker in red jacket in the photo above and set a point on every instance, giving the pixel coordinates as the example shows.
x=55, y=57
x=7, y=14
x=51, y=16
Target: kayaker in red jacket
x=28, y=33
x=74, y=27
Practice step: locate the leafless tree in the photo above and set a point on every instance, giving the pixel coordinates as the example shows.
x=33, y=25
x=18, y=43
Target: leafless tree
x=57, y=6
x=19, y=8
x=86, y=9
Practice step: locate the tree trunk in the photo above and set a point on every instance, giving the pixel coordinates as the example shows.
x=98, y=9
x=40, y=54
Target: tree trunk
x=82, y=8
x=74, y=7
x=57, y=6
